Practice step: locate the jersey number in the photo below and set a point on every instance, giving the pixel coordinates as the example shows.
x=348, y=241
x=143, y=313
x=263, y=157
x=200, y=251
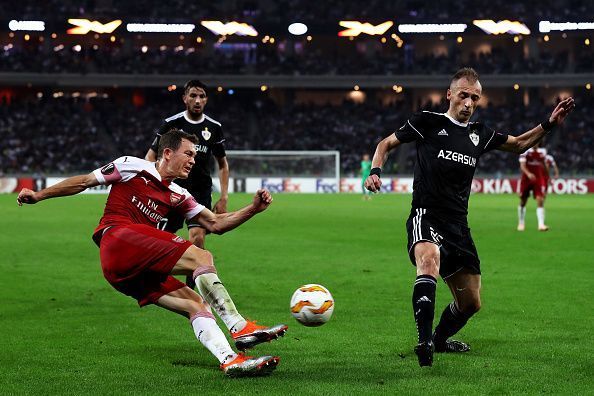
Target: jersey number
x=162, y=224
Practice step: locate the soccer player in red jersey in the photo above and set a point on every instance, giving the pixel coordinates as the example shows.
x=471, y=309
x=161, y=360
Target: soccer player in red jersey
x=535, y=178
x=138, y=259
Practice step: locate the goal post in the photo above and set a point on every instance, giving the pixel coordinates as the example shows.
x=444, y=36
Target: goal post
x=284, y=164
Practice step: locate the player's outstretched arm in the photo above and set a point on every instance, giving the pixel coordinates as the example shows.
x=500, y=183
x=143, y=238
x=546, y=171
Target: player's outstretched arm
x=220, y=223
x=72, y=185
x=221, y=205
x=519, y=144
x=373, y=182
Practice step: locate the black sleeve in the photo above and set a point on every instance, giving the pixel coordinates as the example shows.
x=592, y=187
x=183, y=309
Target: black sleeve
x=496, y=139
x=411, y=130
x=161, y=130
x=218, y=147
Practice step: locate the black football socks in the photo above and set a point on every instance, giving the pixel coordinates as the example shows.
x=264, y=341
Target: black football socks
x=423, y=301
x=452, y=320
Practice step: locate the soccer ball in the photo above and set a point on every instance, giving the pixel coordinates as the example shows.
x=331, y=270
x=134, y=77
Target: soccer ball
x=312, y=305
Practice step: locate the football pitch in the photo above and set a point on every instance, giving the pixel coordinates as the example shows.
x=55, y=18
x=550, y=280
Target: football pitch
x=64, y=330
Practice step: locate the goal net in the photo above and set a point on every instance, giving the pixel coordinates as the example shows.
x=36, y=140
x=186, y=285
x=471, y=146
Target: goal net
x=306, y=164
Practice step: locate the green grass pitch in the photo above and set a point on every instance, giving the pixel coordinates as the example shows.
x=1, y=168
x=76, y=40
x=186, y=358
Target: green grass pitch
x=64, y=330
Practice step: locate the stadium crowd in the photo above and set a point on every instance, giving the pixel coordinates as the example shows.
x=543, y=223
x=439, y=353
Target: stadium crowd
x=66, y=135
x=264, y=59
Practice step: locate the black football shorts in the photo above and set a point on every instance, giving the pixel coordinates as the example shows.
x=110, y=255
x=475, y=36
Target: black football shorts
x=455, y=243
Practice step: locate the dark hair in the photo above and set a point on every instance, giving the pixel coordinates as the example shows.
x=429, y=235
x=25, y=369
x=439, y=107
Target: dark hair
x=172, y=140
x=194, y=84
x=466, y=72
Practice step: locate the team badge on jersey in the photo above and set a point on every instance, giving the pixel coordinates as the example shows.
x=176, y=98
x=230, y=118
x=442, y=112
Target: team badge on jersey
x=474, y=138
x=206, y=133
x=108, y=169
x=175, y=198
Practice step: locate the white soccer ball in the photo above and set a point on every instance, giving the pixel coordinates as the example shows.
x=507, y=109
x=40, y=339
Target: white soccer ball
x=312, y=305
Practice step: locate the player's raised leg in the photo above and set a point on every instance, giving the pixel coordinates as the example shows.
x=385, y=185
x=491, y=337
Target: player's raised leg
x=188, y=303
x=199, y=264
x=423, y=298
x=465, y=287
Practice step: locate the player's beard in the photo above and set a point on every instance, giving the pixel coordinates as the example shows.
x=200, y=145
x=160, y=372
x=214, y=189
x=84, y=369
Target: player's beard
x=195, y=113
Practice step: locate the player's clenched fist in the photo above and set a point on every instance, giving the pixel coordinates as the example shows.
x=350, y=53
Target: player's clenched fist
x=373, y=183
x=26, y=196
x=262, y=200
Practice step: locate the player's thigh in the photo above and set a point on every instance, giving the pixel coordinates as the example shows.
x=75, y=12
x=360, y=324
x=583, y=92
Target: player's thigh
x=192, y=258
x=466, y=289
x=427, y=258
x=184, y=301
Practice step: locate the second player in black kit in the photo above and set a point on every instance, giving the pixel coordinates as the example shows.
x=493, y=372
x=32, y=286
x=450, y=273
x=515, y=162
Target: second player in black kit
x=210, y=143
x=448, y=149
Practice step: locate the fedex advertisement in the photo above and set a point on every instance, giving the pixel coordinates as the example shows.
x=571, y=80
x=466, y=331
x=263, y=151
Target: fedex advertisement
x=281, y=185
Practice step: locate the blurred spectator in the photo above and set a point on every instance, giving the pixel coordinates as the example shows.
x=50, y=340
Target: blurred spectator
x=65, y=135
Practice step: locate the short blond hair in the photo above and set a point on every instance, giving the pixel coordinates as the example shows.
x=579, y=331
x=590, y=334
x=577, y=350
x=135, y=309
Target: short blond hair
x=466, y=72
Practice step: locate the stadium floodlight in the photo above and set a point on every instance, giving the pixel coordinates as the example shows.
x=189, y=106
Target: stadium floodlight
x=160, y=27
x=355, y=28
x=489, y=26
x=84, y=26
x=297, y=28
x=37, y=26
x=432, y=28
x=227, y=29
x=546, y=26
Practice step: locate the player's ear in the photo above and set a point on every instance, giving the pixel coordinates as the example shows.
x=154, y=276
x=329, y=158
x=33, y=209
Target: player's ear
x=167, y=153
x=448, y=94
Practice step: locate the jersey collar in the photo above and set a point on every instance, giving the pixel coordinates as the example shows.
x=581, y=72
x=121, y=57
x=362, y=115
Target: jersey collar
x=462, y=124
x=192, y=121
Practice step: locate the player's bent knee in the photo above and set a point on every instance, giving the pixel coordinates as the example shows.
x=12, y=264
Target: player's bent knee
x=201, y=257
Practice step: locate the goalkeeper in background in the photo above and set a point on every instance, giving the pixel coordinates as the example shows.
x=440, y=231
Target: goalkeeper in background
x=365, y=170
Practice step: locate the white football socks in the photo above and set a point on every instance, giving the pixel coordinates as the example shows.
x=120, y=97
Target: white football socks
x=211, y=336
x=213, y=291
x=540, y=214
x=521, y=214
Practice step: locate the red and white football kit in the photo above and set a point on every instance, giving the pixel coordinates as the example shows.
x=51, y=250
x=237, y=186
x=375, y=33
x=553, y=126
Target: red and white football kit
x=534, y=158
x=136, y=257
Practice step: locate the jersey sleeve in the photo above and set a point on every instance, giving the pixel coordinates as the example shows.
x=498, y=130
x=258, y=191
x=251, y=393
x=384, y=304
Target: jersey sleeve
x=523, y=156
x=160, y=131
x=411, y=130
x=550, y=159
x=120, y=170
x=496, y=139
x=189, y=207
x=218, y=148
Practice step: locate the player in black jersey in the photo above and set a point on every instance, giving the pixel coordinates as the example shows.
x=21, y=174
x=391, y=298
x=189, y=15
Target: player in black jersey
x=448, y=149
x=210, y=143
